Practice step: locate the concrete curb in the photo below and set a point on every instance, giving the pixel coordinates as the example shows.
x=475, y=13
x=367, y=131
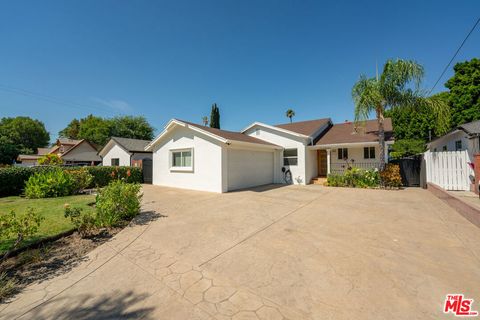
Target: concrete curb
x=469, y=212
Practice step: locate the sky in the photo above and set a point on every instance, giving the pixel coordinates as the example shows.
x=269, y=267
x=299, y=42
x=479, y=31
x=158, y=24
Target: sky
x=61, y=60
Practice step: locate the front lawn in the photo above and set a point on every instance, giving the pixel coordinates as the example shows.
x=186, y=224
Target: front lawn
x=50, y=208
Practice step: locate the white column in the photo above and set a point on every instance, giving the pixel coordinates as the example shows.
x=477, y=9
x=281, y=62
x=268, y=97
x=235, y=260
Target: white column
x=386, y=153
x=328, y=161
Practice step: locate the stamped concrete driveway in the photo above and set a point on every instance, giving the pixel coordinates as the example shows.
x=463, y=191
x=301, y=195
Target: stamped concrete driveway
x=271, y=253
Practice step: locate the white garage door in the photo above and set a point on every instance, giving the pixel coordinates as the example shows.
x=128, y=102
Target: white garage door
x=248, y=168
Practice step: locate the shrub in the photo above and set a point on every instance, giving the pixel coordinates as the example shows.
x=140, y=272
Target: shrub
x=391, y=177
x=54, y=183
x=102, y=176
x=118, y=201
x=85, y=223
x=20, y=227
x=50, y=159
x=355, y=178
x=336, y=180
x=82, y=178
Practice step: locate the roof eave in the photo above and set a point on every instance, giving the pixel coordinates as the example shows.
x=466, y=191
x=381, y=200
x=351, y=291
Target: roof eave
x=277, y=129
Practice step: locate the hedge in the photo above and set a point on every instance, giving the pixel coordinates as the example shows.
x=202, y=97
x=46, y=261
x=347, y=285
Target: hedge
x=13, y=179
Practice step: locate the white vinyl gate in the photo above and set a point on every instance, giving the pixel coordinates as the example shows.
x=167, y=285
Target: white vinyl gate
x=448, y=169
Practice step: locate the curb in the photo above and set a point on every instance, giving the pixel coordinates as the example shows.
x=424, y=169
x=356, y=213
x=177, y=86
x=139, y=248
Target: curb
x=469, y=212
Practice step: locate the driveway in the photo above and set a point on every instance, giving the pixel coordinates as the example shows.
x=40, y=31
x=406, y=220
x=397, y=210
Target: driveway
x=271, y=253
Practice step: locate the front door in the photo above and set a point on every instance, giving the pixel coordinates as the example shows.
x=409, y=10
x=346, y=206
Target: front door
x=322, y=163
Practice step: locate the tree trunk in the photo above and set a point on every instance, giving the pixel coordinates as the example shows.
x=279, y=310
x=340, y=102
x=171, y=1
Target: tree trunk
x=381, y=137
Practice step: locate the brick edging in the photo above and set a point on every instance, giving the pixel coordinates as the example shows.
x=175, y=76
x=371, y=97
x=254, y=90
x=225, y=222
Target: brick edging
x=469, y=212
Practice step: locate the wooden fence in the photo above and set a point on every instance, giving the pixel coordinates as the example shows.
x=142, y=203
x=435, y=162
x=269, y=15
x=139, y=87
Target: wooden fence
x=448, y=169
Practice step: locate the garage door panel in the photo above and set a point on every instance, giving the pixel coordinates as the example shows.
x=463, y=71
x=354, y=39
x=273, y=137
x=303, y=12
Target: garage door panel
x=248, y=168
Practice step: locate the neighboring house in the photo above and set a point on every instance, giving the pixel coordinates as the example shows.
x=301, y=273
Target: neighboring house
x=192, y=156
x=125, y=152
x=463, y=137
x=74, y=152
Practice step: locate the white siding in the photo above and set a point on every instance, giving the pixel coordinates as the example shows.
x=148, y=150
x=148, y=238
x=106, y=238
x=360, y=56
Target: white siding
x=116, y=152
x=299, y=172
x=248, y=168
x=207, y=161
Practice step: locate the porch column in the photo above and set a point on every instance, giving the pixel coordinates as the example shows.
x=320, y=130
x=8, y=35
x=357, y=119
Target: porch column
x=386, y=153
x=328, y=161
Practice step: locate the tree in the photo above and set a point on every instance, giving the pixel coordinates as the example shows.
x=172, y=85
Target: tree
x=215, y=117
x=132, y=127
x=464, y=95
x=71, y=131
x=290, y=114
x=95, y=129
x=397, y=87
x=407, y=147
x=205, y=120
x=21, y=135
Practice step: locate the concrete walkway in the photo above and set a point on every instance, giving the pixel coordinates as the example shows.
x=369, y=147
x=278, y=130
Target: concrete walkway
x=271, y=253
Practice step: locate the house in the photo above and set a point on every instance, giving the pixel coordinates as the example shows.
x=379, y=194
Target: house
x=192, y=156
x=74, y=152
x=125, y=152
x=463, y=137
x=128, y=152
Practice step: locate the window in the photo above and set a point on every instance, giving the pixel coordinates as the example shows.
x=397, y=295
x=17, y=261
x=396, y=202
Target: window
x=444, y=148
x=458, y=145
x=342, y=153
x=369, y=153
x=115, y=162
x=290, y=157
x=182, y=159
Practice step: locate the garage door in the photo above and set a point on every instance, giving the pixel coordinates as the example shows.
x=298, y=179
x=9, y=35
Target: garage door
x=248, y=168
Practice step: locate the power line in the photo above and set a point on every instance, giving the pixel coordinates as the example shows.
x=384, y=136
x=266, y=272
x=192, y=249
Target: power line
x=50, y=98
x=451, y=60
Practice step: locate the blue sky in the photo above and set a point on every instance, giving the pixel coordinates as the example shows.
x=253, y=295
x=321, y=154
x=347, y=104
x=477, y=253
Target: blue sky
x=254, y=58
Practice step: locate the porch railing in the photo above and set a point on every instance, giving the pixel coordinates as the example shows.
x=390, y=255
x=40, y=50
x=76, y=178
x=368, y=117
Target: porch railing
x=340, y=168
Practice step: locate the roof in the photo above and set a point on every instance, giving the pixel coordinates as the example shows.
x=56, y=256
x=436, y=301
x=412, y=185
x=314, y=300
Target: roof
x=471, y=127
x=43, y=151
x=345, y=133
x=68, y=141
x=308, y=128
x=132, y=145
x=229, y=135
x=22, y=157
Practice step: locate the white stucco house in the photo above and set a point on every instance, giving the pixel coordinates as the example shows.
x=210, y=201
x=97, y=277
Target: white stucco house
x=192, y=156
x=124, y=152
x=463, y=137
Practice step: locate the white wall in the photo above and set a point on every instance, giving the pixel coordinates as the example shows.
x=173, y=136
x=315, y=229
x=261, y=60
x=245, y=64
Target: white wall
x=116, y=152
x=248, y=168
x=355, y=153
x=207, y=161
x=311, y=164
x=471, y=145
x=299, y=175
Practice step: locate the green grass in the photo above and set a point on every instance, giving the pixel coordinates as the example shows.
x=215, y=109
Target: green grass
x=51, y=209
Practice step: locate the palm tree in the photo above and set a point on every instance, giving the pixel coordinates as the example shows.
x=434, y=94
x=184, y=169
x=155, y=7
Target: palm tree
x=205, y=120
x=290, y=114
x=397, y=87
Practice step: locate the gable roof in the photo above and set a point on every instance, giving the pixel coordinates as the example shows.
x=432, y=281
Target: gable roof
x=342, y=133
x=79, y=142
x=68, y=141
x=132, y=145
x=471, y=128
x=224, y=136
x=307, y=128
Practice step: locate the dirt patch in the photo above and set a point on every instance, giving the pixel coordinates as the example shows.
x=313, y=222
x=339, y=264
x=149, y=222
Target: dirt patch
x=50, y=260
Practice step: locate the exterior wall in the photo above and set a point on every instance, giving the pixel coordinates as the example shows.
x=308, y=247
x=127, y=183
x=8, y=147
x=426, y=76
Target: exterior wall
x=248, y=168
x=471, y=145
x=207, y=162
x=116, y=152
x=287, y=141
x=82, y=153
x=311, y=166
x=355, y=154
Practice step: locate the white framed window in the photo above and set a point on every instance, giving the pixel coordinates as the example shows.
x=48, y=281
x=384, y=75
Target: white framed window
x=181, y=159
x=458, y=145
x=290, y=157
x=369, y=153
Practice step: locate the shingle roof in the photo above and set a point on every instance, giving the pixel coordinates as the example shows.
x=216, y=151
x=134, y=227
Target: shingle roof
x=346, y=133
x=471, y=127
x=307, y=128
x=132, y=145
x=43, y=151
x=68, y=141
x=229, y=135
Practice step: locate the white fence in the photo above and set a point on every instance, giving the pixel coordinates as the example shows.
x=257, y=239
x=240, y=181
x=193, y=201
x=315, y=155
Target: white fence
x=448, y=169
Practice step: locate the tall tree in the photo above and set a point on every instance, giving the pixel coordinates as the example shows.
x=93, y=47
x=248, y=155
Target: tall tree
x=95, y=129
x=464, y=95
x=398, y=86
x=132, y=127
x=71, y=131
x=290, y=114
x=26, y=133
x=215, y=117
x=8, y=151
